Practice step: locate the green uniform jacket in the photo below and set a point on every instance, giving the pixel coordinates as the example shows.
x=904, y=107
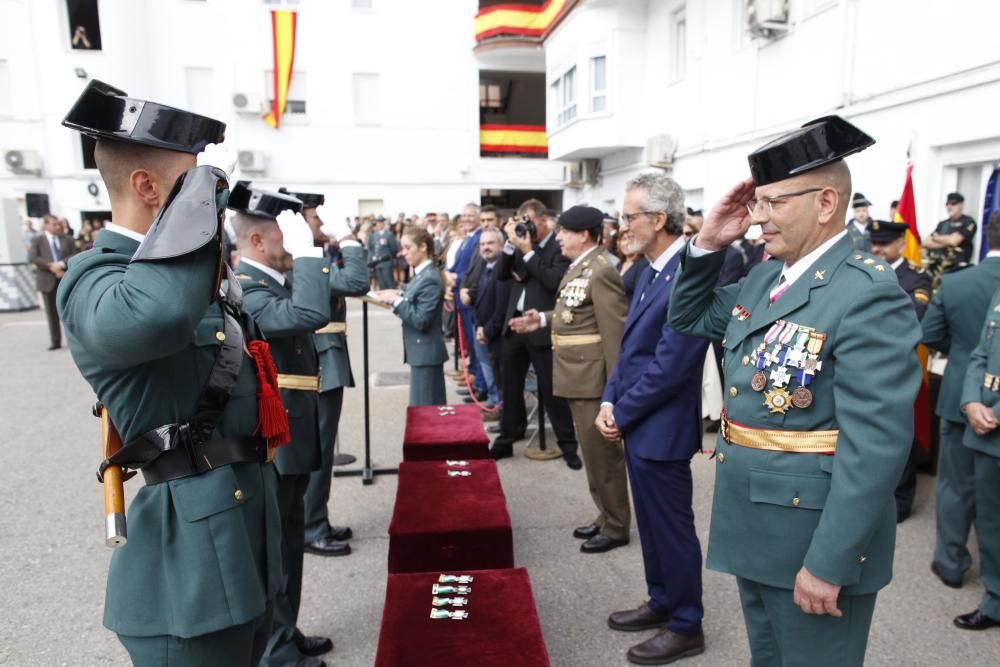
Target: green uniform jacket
x=862, y=240
x=952, y=323
x=420, y=310
x=351, y=280
x=985, y=359
x=200, y=557
x=775, y=511
x=581, y=371
x=288, y=318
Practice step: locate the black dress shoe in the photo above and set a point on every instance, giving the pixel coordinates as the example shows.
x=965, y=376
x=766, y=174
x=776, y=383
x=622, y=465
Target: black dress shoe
x=665, y=648
x=573, y=461
x=495, y=428
x=327, y=546
x=468, y=399
x=312, y=646
x=310, y=661
x=902, y=515
x=54, y=346
x=600, y=543
x=586, y=532
x=977, y=620
x=940, y=575
x=462, y=391
x=341, y=533
x=499, y=451
x=634, y=620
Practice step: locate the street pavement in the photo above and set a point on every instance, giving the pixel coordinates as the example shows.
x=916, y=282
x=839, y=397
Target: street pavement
x=53, y=561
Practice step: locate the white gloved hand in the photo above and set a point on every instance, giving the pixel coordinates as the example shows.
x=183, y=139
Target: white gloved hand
x=218, y=156
x=333, y=226
x=298, y=237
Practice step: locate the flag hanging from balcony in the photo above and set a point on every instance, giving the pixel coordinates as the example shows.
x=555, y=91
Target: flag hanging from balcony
x=283, y=34
x=496, y=138
x=528, y=18
x=907, y=212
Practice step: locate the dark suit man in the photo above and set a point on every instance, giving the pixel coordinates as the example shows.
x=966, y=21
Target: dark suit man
x=274, y=238
x=489, y=306
x=952, y=325
x=537, y=266
x=652, y=400
x=48, y=252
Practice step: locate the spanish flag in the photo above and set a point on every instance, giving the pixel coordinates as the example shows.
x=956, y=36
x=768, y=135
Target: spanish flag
x=907, y=212
x=522, y=19
x=498, y=138
x=283, y=33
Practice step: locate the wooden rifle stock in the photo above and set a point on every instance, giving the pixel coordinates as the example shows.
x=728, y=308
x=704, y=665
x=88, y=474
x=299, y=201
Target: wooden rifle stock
x=114, y=490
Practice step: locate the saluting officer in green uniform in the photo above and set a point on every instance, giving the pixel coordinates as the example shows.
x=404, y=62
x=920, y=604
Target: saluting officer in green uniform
x=273, y=238
x=981, y=403
x=163, y=349
x=820, y=374
x=952, y=325
x=348, y=263
x=587, y=326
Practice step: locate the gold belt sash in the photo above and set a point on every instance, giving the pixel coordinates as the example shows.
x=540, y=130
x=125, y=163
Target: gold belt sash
x=333, y=327
x=299, y=382
x=991, y=382
x=799, y=442
x=574, y=339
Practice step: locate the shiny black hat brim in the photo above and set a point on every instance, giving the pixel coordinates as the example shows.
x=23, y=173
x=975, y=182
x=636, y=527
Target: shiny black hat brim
x=308, y=199
x=819, y=142
x=261, y=204
x=107, y=113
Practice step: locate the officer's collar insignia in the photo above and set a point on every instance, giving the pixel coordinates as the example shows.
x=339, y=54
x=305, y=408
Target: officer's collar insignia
x=243, y=276
x=879, y=268
x=820, y=275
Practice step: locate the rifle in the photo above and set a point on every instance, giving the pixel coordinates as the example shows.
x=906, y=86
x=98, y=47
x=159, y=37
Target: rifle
x=112, y=478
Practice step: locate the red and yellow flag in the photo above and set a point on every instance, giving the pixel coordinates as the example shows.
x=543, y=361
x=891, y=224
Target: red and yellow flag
x=283, y=33
x=907, y=212
x=520, y=19
x=496, y=138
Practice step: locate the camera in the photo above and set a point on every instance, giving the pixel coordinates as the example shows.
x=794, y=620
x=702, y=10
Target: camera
x=525, y=228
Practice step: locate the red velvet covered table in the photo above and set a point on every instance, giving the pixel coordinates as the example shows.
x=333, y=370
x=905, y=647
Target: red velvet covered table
x=439, y=432
x=443, y=523
x=502, y=628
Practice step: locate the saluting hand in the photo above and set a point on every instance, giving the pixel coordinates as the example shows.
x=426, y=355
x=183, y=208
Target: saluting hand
x=815, y=596
x=981, y=418
x=296, y=233
x=728, y=220
x=218, y=156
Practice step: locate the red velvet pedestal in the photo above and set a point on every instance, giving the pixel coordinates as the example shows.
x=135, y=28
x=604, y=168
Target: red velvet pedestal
x=441, y=523
x=431, y=436
x=502, y=629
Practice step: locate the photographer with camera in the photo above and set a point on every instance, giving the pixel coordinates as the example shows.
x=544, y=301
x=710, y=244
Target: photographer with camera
x=532, y=258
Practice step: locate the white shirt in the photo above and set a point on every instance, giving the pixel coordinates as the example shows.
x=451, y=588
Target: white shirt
x=420, y=267
x=277, y=275
x=860, y=226
x=992, y=253
x=895, y=265
x=127, y=233
x=799, y=268
x=509, y=248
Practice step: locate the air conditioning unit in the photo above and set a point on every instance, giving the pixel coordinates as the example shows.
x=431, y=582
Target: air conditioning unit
x=660, y=151
x=23, y=161
x=591, y=171
x=767, y=18
x=251, y=162
x=573, y=174
x=248, y=103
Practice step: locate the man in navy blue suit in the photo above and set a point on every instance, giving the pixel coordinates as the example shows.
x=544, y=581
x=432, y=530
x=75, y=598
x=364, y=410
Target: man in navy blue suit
x=653, y=402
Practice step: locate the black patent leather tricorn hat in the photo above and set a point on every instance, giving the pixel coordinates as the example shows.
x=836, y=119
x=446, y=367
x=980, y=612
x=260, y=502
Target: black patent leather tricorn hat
x=308, y=199
x=818, y=142
x=105, y=112
x=261, y=204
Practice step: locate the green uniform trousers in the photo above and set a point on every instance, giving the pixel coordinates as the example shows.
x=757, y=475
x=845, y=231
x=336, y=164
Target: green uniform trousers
x=427, y=385
x=317, y=516
x=236, y=646
x=956, y=502
x=281, y=650
x=988, y=530
x=605, y=465
x=782, y=635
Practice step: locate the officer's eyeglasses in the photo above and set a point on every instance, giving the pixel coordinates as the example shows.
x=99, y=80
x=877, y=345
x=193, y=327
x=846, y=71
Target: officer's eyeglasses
x=777, y=199
x=629, y=218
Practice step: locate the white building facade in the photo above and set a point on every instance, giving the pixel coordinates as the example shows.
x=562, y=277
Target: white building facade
x=383, y=111
x=687, y=85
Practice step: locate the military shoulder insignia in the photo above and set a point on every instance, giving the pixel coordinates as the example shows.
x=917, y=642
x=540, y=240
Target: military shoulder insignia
x=921, y=295
x=601, y=259
x=874, y=268
x=243, y=276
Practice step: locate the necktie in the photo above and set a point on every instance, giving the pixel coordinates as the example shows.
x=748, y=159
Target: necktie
x=782, y=287
x=56, y=256
x=652, y=274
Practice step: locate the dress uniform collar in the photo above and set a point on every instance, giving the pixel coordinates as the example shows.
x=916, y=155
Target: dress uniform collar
x=114, y=238
x=118, y=229
x=576, y=262
x=898, y=263
x=266, y=270
x=420, y=267
x=799, y=268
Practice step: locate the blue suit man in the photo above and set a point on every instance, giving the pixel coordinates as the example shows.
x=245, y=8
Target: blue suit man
x=653, y=402
x=463, y=260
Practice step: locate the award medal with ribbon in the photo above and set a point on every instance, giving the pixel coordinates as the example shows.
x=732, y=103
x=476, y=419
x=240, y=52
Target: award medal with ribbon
x=449, y=602
x=764, y=359
x=458, y=615
x=459, y=473
x=454, y=578
x=439, y=589
x=790, y=352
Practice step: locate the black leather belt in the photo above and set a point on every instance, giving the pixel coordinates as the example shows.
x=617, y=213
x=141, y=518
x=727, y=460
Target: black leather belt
x=177, y=463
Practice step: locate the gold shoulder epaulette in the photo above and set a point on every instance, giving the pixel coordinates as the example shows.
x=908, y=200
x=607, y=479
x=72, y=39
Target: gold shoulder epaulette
x=602, y=259
x=876, y=268
x=243, y=276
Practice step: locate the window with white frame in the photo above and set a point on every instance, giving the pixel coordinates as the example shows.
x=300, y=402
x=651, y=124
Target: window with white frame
x=296, y=102
x=599, y=84
x=366, y=99
x=678, y=34
x=563, y=91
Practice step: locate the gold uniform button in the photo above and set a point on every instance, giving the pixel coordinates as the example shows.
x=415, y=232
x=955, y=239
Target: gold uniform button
x=722, y=457
x=746, y=360
x=219, y=336
x=796, y=501
x=238, y=494
x=326, y=269
x=733, y=392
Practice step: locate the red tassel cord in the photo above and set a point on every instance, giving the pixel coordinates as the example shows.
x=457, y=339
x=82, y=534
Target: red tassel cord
x=273, y=425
